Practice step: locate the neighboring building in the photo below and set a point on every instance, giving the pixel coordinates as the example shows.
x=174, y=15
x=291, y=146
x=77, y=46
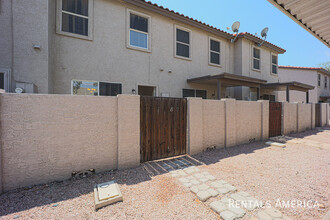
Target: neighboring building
x=317, y=77
x=94, y=47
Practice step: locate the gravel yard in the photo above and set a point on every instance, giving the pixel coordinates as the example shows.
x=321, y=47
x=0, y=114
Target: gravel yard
x=298, y=172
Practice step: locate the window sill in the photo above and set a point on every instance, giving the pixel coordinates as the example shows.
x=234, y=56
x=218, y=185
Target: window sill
x=215, y=65
x=257, y=70
x=68, y=34
x=274, y=74
x=183, y=58
x=138, y=49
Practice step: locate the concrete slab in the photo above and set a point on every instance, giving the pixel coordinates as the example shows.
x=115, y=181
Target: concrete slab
x=106, y=194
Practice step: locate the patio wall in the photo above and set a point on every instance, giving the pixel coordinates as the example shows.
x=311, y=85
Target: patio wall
x=225, y=123
x=297, y=117
x=46, y=137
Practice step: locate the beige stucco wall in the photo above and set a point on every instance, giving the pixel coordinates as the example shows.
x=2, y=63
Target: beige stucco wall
x=225, y=122
x=47, y=137
x=304, y=117
x=213, y=123
x=106, y=57
x=289, y=120
x=248, y=121
x=308, y=77
x=243, y=65
x=128, y=131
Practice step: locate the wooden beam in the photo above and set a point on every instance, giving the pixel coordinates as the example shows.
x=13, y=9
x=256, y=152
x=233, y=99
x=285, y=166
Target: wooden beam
x=287, y=94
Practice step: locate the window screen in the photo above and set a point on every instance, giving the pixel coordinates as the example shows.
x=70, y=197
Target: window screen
x=2, y=81
x=201, y=93
x=215, y=52
x=75, y=16
x=274, y=64
x=138, y=31
x=188, y=93
x=182, y=43
x=109, y=89
x=256, y=58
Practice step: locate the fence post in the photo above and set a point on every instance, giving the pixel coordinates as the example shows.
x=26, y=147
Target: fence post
x=195, y=125
x=264, y=119
x=230, y=122
x=128, y=131
x=313, y=116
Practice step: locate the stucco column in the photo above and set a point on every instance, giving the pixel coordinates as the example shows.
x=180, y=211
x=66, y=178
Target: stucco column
x=1, y=185
x=313, y=115
x=264, y=119
x=195, y=125
x=327, y=114
x=230, y=124
x=128, y=131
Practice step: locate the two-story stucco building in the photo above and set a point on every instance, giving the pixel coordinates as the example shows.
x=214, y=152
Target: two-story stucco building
x=108, y=47
x=317, y=77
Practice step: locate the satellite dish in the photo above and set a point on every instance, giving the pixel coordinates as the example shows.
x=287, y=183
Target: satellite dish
x=235, y=26
x=264, y=35
x=264, y=32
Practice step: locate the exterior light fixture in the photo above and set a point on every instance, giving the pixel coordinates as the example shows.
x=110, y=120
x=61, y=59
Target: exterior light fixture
x=133, y=91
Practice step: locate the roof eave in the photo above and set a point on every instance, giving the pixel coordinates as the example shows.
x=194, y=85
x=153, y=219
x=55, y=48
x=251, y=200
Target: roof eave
x=265, y=44
x=184, y=19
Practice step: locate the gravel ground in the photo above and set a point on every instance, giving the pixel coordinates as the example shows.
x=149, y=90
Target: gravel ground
x=298, y=172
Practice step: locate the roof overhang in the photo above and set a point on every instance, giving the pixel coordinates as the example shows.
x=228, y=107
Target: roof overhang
x=228, y=80
x=312, y=15
x=291, y=85
x=258, y=40
x=318, y=69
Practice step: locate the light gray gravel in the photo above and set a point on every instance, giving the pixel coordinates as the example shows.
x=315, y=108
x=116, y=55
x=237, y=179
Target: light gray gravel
x=299, y=171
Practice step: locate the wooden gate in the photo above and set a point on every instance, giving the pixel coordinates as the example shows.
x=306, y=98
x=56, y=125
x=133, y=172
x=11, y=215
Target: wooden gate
x=275, y=119
x=317, y=115
x=162, y=127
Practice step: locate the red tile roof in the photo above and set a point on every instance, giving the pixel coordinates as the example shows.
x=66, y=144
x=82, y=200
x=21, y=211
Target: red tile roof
x=223, y=33
x=306, y=68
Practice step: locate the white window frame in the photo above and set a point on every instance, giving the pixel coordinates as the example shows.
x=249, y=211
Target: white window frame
x=220, y=56
x=325, y=82
x=190, y=42
x=89, y=17
x=128, y=28
x=271, y=64
x=252, y=65
x=319, y=82
x=7, y=79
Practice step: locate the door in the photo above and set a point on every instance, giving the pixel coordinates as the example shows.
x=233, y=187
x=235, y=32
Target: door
x=275, y=119
x=162, y=127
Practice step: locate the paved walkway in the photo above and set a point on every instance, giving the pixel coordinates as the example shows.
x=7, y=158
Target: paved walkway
x=229, y=204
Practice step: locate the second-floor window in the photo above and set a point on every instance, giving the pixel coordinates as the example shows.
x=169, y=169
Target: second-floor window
x=138, y=30
x=256, y=58
x=274, y=64
x=325, y=82
x=75, y=17
x=214, y=52
x=182, y=43
x=318, y=79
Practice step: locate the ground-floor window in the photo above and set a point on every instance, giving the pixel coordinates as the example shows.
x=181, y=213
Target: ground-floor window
x=268, y=97
x=95, y=88
x=194, y=93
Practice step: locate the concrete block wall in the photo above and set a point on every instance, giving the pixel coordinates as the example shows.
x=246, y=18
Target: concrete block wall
x=297, y=117
x=225, y=123
x=45, y=138
x=324, y=114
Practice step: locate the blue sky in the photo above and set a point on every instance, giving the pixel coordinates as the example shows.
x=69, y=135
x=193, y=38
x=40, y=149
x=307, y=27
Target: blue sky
x=303, y=49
